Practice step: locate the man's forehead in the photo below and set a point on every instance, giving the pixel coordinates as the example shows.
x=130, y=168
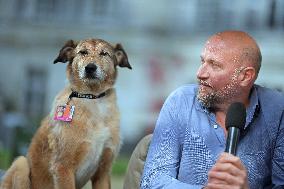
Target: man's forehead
x=213, y=47
x=220, y=53
x=218, y=45
x=215, y=42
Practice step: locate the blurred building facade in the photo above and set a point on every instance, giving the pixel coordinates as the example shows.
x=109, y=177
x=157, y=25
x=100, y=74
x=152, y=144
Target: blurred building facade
x=163, y=40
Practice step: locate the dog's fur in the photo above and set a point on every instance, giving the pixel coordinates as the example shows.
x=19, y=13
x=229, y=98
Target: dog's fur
x=65, y=155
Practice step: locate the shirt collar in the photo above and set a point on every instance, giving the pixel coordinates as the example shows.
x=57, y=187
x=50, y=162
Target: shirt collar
x=252, y=110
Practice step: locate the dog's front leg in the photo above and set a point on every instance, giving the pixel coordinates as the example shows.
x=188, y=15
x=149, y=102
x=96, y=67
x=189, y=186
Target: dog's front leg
x=63, y=177
x=101, y=179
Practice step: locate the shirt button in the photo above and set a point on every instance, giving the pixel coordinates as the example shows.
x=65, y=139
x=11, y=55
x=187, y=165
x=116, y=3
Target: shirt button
x=215, y=126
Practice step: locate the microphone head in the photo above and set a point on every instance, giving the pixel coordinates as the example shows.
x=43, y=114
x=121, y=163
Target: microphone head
x=236, y=116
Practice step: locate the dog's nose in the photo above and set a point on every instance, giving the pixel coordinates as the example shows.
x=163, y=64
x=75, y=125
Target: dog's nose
x=90, y=68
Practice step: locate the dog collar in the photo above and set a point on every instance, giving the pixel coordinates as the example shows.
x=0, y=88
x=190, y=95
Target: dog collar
x=88, y=96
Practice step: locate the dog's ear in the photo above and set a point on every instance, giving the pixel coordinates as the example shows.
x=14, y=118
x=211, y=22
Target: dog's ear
x=66, y=53
x=121, y=56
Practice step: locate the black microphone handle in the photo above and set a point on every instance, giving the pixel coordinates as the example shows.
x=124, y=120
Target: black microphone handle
x=232, y=140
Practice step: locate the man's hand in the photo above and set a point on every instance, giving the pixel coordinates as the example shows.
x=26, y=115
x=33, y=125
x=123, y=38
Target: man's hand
x=228, y=173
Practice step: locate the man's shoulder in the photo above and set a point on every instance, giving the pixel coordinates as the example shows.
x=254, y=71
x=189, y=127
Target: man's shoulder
x=188, y=90
x=270, y=96
x=183, y=95
x=272, y=105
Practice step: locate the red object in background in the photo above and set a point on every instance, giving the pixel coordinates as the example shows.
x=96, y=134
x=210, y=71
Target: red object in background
x=156, y=105
x=156, y=71
x=155, y=108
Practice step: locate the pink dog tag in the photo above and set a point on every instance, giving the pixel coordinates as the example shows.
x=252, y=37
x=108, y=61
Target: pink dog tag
x=64, y=113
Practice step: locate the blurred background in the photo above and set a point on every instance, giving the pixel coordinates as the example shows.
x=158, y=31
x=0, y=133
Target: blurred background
x=163, y=40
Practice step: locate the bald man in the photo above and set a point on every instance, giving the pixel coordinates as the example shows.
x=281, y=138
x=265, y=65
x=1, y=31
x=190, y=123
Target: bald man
x=187, y=148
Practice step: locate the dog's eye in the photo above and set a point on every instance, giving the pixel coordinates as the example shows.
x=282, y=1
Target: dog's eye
x=83, y=52
x=104, y=53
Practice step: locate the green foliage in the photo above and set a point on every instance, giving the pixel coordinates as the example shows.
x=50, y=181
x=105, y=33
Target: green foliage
x=5, y=158
x=120, y=165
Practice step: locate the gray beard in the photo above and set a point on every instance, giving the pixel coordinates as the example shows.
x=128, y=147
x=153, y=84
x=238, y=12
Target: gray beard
x=212, y=99
x=209, y=100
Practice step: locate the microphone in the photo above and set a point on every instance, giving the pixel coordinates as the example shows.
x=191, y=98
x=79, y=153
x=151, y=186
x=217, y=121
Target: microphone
x=235, y=122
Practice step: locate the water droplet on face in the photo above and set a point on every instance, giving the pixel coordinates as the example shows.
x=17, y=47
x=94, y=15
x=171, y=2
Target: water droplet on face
x=211, y=98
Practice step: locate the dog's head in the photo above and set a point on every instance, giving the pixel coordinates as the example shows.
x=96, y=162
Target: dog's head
x=92, y=63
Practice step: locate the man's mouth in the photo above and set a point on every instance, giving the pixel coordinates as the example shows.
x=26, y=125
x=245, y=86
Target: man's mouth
x=204, y=84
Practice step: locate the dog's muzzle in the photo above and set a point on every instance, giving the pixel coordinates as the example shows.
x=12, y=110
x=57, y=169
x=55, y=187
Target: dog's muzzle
x=90, y=70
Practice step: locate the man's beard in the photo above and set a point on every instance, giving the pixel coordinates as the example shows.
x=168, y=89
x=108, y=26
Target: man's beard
x=211, y=99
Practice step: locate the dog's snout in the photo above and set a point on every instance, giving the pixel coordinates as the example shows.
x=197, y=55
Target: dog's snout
x=90, y=68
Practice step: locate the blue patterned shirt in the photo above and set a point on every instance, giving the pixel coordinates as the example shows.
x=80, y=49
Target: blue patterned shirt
x=187, y=142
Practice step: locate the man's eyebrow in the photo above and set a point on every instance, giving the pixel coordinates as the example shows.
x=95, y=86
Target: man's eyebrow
x=210, y=60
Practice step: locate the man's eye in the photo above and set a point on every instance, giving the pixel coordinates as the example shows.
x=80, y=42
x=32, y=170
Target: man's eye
x=83, y=52
x=103, y=53
x=216, y=66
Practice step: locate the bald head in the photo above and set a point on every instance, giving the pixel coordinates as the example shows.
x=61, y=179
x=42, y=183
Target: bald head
x=242, y=44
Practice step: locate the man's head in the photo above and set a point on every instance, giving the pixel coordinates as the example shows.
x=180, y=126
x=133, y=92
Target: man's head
x=230, y=63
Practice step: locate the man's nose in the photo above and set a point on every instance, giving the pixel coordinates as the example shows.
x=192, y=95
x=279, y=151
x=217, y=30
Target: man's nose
x=202, y=72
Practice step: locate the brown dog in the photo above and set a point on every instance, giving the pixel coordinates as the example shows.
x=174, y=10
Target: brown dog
x=80, y=137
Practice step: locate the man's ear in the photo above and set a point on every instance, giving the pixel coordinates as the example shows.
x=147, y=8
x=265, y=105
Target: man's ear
x=66, y=53
x=248, y=76
x=121, y=56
